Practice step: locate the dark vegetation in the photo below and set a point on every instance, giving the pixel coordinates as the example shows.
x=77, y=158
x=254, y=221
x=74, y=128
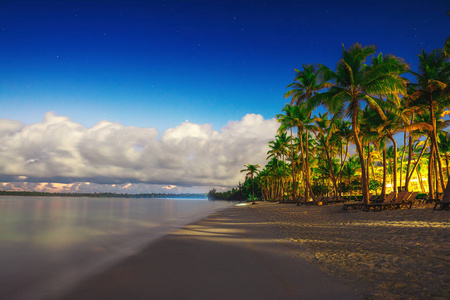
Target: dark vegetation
x=101, y=195
x=242, y=192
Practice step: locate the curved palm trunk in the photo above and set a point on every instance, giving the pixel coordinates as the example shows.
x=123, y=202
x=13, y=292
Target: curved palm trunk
x=434, y=143
x=417, y=160
x=342, y=164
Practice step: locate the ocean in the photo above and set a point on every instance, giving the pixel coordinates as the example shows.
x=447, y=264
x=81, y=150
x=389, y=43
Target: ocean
x=49, y=244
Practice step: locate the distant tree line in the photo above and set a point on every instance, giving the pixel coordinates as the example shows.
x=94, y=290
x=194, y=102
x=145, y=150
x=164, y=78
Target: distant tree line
x=242, y=192
x=101, y=195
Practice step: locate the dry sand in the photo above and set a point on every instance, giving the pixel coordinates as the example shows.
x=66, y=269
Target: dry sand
x=395, y=254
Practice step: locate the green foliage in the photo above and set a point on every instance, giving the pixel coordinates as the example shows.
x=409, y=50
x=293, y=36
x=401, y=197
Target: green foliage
x=374, y=185
x=240, y=193
x=319, y=189
x=234, y=194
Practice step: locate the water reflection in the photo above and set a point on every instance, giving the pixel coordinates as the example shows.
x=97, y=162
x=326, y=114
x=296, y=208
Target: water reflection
x=47, y=244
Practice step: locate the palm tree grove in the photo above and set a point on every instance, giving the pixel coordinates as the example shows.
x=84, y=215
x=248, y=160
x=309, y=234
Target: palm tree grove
x=360, y=130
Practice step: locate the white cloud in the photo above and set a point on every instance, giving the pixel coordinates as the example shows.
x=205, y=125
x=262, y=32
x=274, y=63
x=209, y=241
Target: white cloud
x=60, y=150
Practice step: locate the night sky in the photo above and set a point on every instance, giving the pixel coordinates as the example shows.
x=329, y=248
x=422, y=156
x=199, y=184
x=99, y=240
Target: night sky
x=166, y=65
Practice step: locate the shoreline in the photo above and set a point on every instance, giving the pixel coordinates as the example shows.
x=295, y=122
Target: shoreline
x=56, y=256
x=401, y=254
x=230, y=254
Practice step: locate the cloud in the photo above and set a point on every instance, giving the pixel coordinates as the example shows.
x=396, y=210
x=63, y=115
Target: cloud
x=59, y=150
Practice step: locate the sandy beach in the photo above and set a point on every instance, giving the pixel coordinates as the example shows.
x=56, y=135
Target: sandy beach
x=395, y=254
x=282, y=251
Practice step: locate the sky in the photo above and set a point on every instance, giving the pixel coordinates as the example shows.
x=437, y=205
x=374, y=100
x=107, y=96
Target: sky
x=171, y=96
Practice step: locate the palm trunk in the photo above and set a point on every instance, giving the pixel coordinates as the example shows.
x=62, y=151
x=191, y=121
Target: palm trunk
x=333, y=178
x=418, y=159
x=419, y=177
x=401, y=163
x=368, y=164
x=293, y=168
x=364, y=186
x=446, y=164
x=305, y=164
x=383, y=189
x=410, y=150
x=394, y=169
x=253, y=190
x=446, y=197
x=436, y=175
x=434, y=142
x=430, y=173
x=341, y=168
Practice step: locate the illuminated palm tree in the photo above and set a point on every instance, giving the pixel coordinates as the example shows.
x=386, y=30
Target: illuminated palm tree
x=432, y=94
x=355, y=84
x=326, y=130
x=306, y=84
x=297, y=117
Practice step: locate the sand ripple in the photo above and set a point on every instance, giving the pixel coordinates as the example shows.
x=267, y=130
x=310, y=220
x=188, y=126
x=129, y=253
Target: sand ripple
x=400, y=254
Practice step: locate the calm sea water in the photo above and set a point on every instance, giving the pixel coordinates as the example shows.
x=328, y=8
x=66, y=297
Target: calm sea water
x=48, y=244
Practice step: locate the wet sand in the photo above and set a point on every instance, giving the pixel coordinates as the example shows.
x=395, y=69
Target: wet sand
x=235, y=253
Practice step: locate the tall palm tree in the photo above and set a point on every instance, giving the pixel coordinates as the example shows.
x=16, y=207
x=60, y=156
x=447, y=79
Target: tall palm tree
x=432, y=93
x=251, y=171
x=306, y=84
x=287, y=121
x=297, y=117
x=355, y=84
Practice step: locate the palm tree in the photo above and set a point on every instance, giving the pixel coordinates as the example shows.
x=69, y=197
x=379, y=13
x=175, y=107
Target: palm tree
x=278, y=149
x=432, y=93
x=297, y=117
x=251, y=171
x=354, y=84
x=287, y=121
x=306, y=84
x=326, y=130
x=444, y=148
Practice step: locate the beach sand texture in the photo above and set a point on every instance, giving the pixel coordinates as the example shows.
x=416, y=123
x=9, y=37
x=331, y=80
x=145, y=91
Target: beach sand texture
x=395, y=254
x=231, y=254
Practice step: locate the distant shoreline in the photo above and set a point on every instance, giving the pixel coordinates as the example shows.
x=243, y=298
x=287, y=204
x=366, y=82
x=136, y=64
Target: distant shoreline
x=102, y=195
